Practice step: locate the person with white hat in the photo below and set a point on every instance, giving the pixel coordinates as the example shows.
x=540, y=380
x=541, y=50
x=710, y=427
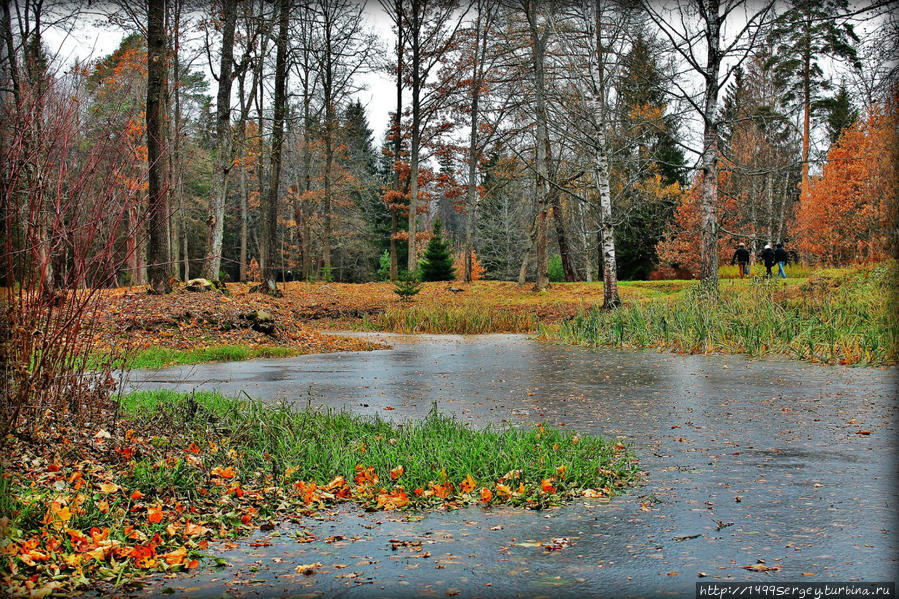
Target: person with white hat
x=768, y=258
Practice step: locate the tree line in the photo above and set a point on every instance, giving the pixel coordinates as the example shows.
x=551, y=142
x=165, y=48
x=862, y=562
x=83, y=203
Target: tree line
x=616, y=137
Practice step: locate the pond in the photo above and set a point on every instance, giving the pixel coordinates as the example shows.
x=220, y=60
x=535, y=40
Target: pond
x=748, y=461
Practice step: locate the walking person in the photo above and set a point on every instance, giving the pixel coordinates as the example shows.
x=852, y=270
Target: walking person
x=768, y=258
x=781, y=257
x=741, y=257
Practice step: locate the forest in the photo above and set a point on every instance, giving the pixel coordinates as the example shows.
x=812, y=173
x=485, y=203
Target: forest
x=574, y=142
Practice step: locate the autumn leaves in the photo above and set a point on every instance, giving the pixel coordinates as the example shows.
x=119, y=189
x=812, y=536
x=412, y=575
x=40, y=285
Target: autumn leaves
x=192, y=469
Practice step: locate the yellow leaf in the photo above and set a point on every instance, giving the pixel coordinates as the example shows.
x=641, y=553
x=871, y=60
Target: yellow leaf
x=108, y=488
x=308, y=569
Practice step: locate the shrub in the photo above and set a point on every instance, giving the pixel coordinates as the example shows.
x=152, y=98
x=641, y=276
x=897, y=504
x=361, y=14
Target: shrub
x=407, y=285
x=437, y=262
x=554, y=268
x=384, y=266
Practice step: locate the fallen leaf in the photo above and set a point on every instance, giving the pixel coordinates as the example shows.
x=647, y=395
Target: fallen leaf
x=308, y=569
x=761, y=568
x=154, y=515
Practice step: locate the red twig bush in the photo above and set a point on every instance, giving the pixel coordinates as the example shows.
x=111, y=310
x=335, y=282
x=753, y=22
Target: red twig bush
x=64, y=210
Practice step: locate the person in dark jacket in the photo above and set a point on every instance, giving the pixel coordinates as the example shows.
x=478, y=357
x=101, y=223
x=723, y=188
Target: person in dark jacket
x=767, y=257
x=741, y=257
x=781, y=257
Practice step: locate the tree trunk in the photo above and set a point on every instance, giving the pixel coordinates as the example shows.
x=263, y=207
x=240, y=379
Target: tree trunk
x=244, y=203
x=270, y=217
x=416, y=134
x=769, y=196
x=472, y=197
x=601, y=173
x=709, y=162
x=562, y=235
x=538, y=46
x=806, y=104
x=397, y=136
x=783, y=205
x=216, y=220
x=159, y=270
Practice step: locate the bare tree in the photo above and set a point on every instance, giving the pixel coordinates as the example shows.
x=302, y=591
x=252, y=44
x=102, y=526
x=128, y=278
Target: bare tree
x=431, y=27
x=721, y=59
x=223, y=160
x=342, y=49
x=270, y=243
x=539, y=35
x=160, y=269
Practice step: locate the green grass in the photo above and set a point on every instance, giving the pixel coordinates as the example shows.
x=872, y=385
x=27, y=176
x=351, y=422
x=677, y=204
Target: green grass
x=837, y=316
x=317, y=445
x=160, y=357
x=794, y=271
x=468, y=319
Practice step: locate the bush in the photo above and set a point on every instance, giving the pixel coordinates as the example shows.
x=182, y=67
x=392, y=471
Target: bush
x=554, y=267
x=384, y=266
x=52, y=264
x=407, y=285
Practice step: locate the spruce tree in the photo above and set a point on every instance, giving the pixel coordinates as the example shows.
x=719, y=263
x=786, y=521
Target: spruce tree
x=437, y=262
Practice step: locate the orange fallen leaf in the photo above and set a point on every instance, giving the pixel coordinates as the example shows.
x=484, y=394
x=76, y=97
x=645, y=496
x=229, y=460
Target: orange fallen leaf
x=547, y=486
x=486, y=495
x=223, y=472
x=154, y=515
x=467, y=485
x=397, y=472
x=136, y=495
x=761, y=568
x=175, y=557
x=862, y=432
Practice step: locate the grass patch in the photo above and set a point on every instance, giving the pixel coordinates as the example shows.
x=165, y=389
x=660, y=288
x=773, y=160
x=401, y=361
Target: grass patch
x=459, y=320
x=319, y=445
x=160, y=357
x=183, y=469
x=837, y=317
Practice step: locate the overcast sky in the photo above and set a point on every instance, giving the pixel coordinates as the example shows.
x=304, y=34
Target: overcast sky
x=93, y=38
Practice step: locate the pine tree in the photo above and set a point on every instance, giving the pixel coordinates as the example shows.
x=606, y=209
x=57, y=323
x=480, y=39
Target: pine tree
x=841, y=113
x=437, y=262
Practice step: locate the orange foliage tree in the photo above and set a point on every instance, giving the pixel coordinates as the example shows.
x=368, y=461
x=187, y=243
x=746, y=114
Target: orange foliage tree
x=680, y=248
x=477, y=269
x=850, y=213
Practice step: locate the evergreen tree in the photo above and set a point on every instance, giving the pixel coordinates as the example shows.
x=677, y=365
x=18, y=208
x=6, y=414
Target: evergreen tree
x=645, y=145
x=841, y=113
x=805, y=34
x=437, y=262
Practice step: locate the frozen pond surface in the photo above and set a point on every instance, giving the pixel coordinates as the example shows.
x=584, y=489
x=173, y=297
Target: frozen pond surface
x=770, y=446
